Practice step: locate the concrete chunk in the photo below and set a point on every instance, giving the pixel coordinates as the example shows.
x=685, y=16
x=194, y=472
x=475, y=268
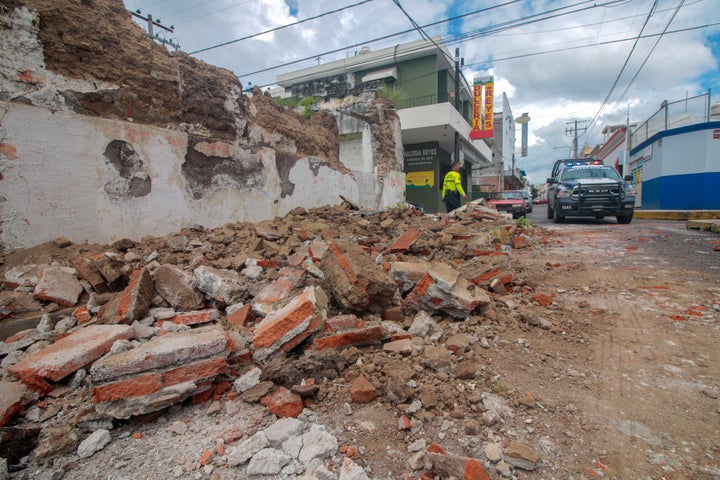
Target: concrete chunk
x=57, y=285
x=68, y=355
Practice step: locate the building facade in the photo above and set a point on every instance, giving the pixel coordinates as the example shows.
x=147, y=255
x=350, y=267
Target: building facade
x=675, y=156
x=432, y=100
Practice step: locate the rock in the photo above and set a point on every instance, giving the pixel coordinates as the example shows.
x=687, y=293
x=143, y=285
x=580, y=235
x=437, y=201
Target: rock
x=94, y=443
x=521, y=456
x=247, y=380
x=267, y=461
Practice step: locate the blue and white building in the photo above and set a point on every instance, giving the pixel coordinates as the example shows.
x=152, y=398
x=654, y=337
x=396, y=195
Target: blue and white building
x=675, y=156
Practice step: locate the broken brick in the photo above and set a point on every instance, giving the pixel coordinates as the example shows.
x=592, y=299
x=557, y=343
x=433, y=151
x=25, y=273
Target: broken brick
x=404, y=241
x=542, y=299
x=68, y=355
x=137, y=386
x=57, y=285
x=519, y=242
x=195, y=318
x=11, y=398
x=238, y=316
x=341, y=323
x=362, y=391
x=283, y=325
x=356, y=281
x=132, y=303
x=360, y=336
x=175, y=286
x=283, y=403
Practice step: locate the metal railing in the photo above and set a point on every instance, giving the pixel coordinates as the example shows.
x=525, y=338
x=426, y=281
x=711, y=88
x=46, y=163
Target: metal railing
x=416, y=101
x=671, y=115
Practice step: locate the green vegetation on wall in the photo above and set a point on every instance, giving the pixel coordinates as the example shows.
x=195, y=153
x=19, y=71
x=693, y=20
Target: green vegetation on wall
x=292, y=103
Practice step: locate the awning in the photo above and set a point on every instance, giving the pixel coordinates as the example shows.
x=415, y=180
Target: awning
x=380, y=74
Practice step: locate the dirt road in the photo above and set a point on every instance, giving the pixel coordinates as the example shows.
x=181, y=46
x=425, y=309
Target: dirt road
x=637, y=394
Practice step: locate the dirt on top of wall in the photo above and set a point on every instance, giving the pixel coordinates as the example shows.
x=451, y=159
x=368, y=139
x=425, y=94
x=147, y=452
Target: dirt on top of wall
x=97, y=40
x=317, y=136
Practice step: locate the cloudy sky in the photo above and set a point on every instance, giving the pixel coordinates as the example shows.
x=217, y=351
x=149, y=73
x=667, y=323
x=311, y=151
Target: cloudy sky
x=558, y=60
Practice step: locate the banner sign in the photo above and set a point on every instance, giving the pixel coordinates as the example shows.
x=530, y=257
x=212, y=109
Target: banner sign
x=482, y=119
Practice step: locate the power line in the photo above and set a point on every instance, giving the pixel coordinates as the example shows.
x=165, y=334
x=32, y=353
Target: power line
x=606, y=42
x=281, y=27
x=647, y=57
x=455, y=39
x=625, y=64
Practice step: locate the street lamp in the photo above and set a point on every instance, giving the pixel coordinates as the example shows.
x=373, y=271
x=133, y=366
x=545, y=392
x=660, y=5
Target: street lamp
x=564, y=146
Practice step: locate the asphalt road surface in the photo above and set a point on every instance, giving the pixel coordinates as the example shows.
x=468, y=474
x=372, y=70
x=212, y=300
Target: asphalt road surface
x=667, y=242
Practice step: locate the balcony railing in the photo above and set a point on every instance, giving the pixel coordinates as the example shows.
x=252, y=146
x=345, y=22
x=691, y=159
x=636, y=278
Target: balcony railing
x=671, y=115
x=416, y=102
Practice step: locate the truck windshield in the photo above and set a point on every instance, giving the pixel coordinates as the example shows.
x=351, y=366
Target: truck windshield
x=592, y=172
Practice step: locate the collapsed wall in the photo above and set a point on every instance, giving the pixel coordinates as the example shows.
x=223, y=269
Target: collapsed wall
x=104, y=134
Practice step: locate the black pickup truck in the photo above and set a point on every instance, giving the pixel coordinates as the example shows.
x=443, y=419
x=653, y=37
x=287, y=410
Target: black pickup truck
x=587, y=188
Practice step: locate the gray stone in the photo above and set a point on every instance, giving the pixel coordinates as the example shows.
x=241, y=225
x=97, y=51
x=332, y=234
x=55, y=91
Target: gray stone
x=245, y=451
x=521, y=456
x=282, y=430
x=267, y=461
x=247, y=380
x=223, y=285
x=94, y=443
x=423, y=325
x=317, y=443
x=352, y=471
x=493, y=452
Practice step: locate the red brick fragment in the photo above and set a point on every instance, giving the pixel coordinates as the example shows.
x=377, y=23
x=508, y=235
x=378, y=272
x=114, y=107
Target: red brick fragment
x=354, y=337
x=542, y=299
x=129, y=388
x=283, y=403
x=362, y=391
x=404, y=241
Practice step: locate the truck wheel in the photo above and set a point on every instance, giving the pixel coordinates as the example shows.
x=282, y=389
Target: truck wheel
x=625, y=219
x=557, y=218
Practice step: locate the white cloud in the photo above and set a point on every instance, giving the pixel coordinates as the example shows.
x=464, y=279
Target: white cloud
x=554, y=88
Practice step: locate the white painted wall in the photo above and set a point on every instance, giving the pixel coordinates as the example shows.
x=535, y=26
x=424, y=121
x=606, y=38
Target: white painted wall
x=54, y=172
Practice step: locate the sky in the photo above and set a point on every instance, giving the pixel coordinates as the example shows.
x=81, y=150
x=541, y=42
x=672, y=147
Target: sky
x=600, y=62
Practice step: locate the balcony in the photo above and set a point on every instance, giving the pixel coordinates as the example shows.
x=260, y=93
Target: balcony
x=439, y=122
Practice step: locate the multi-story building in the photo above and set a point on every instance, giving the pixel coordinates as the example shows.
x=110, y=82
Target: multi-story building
x=432, y=100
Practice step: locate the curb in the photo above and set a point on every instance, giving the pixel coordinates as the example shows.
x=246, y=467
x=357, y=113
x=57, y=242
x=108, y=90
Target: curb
x=707, y=220
x=707, y=225
x=677, y=214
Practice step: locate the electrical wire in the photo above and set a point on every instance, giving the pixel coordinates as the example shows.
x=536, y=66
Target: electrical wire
x=457, y=39
x=281, y=27
x=625, y=64
x=632, y=80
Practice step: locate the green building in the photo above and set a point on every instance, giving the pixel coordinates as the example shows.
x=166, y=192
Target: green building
x=420, y=78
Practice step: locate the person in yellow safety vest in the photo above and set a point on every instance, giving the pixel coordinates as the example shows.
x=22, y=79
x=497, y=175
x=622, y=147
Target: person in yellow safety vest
x=452, y=188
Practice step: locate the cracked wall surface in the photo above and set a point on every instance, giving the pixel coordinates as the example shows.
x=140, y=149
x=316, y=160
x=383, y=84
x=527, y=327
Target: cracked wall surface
x=99, y=143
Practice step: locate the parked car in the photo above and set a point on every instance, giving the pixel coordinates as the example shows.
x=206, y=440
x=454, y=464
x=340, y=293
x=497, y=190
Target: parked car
x=509, y=201
x=528, y=201
x=590, y=190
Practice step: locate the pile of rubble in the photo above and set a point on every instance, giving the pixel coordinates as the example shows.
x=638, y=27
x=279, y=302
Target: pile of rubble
x=273, y=314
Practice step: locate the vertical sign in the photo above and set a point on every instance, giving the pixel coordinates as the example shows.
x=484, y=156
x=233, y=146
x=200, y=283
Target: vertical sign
x=482, y=119
x=523, y=120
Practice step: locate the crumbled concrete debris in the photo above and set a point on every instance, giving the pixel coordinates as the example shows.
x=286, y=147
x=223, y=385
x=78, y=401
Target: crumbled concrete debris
x=205, y=332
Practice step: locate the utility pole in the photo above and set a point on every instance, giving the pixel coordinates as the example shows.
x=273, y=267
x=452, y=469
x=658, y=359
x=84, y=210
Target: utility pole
x=573, y=132
x=457, y=102
x=156, y=23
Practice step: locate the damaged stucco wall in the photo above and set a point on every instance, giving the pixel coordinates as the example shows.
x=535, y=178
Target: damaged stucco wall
x=99, y=143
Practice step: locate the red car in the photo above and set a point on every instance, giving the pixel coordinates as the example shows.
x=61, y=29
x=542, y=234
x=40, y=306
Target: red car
x=510, y=201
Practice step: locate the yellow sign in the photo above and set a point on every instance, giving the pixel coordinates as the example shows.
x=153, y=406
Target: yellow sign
x=420, y=179
x=482, y=118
